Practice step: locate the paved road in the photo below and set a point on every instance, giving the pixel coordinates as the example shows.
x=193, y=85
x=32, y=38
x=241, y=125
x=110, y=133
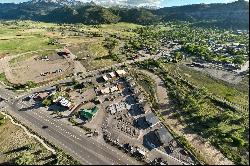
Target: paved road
x=96, y=72
x=68, y=137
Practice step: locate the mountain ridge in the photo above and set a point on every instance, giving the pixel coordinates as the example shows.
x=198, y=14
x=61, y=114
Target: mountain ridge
x=74, y=11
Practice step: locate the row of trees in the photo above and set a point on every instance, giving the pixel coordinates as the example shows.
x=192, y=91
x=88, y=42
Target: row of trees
x=224, y=127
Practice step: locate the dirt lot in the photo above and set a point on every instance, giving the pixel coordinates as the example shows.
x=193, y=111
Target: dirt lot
x=227, y=76
x=14, y=142
x=30, y=70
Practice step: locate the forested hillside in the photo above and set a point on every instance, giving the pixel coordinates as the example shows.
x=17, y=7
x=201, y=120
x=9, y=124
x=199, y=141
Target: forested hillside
x=232, y=15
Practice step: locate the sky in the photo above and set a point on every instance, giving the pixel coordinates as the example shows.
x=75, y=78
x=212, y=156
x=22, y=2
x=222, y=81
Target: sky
x=159, y=3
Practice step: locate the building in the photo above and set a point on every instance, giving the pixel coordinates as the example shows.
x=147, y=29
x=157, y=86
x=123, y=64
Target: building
x=151, y=119
x=114, y=89
x=105, y=78
x=117, y=107
x=41, y=96
x=64, y=102
x=105, y=91
x=112, y=74
x=120, y=73
x=88, y=114
x=164, y=136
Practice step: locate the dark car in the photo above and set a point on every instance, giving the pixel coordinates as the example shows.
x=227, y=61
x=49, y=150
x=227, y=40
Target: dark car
x=45, y=127
x=1, y=99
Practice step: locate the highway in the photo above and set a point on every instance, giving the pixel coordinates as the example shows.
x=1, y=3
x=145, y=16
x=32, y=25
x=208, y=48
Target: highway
x=69, y=138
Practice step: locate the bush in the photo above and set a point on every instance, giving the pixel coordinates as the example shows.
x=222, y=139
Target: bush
x=47, y=102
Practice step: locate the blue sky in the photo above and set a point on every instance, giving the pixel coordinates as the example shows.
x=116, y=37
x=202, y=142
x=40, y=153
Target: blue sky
x=161, y=3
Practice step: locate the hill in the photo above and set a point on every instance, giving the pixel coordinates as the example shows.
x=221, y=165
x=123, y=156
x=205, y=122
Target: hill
x=233, y=15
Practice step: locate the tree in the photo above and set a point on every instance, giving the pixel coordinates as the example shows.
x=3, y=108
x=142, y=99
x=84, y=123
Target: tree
x=178, y=56
x=26, y=158
x=110, y=44
x=47, y=102
x=58, y=87
x=239, y=60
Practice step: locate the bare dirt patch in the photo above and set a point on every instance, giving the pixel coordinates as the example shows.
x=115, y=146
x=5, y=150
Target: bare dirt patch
x=32, y=68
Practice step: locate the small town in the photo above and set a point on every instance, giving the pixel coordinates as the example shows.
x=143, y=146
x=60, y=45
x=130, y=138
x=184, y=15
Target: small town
x=149, y=82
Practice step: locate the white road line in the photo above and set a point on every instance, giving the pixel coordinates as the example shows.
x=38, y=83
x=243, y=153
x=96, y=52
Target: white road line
x=71, y=135
x=40, y=111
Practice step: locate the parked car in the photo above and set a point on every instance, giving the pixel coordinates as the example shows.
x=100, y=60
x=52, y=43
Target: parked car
x=44, y=127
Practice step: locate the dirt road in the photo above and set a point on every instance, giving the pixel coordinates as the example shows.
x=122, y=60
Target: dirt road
x=209, y=152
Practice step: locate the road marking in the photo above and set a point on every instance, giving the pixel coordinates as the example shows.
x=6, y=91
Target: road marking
x=71, y=135
x=122, y=155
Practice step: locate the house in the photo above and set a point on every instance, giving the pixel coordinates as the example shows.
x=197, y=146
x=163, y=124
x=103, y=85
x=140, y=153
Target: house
x=114, y=89
x=112, y=74
x=120, y=73
x=88, y=114
x=105, y=78
x=65, y=102
x=164, y=136
x=41, y=96
x=151, y=119
x=105, y=91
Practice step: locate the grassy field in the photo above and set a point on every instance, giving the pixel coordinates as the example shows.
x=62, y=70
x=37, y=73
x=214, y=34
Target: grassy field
x=224, y=126
x=21, y=37
x=230, y=92
x=18, y=37
x=26, y=56
x=225, y=129
x=17, y=46
x=18, y=148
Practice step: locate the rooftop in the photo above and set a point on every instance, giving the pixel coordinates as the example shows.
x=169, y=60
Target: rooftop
x=88, y=114
x=152, y=119
x=121, y=72
x=164, y=135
